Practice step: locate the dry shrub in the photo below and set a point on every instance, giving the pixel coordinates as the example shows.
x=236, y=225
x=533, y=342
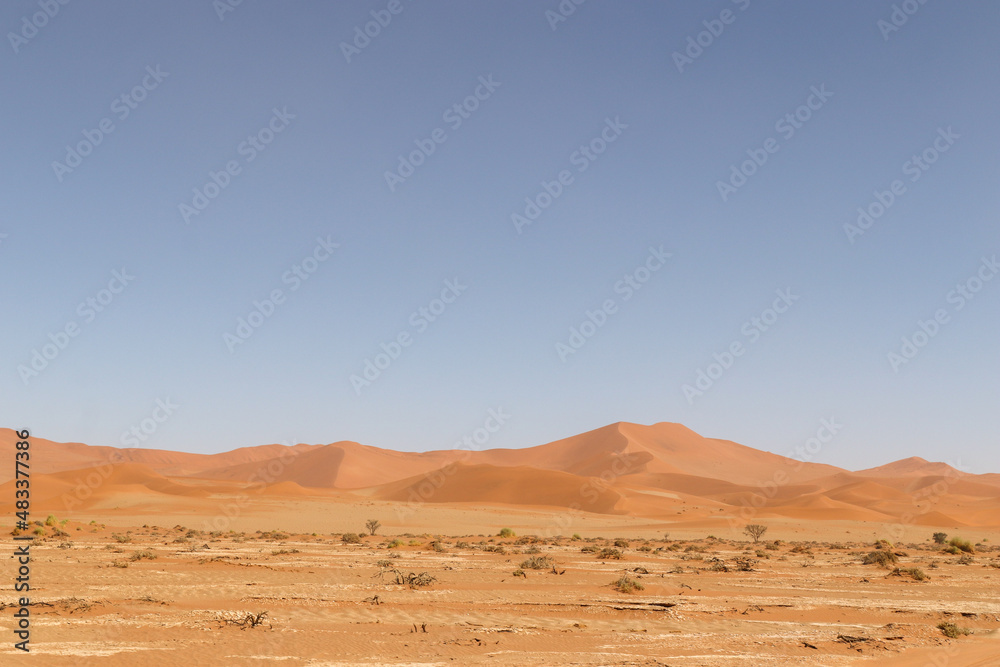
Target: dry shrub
x=538, y=563
x=880, y=558
x=625, y=584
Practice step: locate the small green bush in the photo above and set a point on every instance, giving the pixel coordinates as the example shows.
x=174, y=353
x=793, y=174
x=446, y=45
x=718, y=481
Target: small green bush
x=962, y=545
x=506, y=532
x=626, y=584
x=351, y=538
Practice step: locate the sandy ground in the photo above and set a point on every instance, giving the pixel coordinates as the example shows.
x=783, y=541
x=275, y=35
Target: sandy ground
x=99, y=599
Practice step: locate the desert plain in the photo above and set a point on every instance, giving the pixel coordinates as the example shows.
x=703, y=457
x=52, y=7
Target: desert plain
x=626, y=545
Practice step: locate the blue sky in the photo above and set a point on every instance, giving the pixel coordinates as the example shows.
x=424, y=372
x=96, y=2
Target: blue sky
x=620, y=143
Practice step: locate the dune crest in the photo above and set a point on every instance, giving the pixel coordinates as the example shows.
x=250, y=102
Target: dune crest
x=662, y=470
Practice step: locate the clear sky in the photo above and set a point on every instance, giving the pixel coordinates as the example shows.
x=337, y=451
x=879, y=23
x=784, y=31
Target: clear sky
x=674, y=169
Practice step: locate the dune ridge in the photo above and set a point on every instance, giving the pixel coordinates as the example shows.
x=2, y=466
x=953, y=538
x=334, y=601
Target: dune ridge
x=662, y=470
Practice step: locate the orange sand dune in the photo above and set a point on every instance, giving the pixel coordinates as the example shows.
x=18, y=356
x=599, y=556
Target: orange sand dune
x=664, y=470
x=913, y=466
x=487, y=484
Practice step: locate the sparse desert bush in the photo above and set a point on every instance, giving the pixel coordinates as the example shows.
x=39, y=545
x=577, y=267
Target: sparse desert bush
x=395, y=544
x=144, y=554
x=966, y=559
x=800, y=549
x=506, y=532
x=497, y=549
x=576, y=536
x=351, y=538
x=537, y=563
x=610, y=553
x=532, y=550
x=880, y=558
x=883, y=544
x=50, y=520
x=695, y=547
x=414, y=580
x=939, y=538
x=38, y=530
x=282, y=552
x=520, y=573
x=914, y=572
x=414, y=543
x=952, y=631
x=625, y=584
x=745, y=564
x=244, y=620
x=621, y=544
x=372, y=525
x=718, y=565
x=437, y=546
x=272, y=535
x=962, y=545
x=590, y=549
x=644, y=548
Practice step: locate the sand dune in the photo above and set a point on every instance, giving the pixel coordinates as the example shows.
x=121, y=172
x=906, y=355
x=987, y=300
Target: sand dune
x=488, y=484
x=663, y=470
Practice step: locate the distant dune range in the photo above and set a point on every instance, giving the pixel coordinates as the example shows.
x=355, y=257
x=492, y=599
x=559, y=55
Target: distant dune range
x=663, y=472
